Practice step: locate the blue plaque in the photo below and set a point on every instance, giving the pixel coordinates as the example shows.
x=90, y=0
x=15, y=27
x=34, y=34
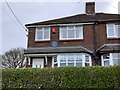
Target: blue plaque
x=54, y=44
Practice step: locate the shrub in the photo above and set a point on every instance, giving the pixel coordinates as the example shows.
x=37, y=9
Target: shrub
x=62, y=77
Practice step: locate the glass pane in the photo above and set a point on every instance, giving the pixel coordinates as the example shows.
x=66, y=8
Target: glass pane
x=63, y=28
x=77, y=33
x=86, y=58
x=71, y=34
x=81, y=33
x=87, y=64
x=106, y=63
x=70, y=64
x=116, y=58
x=106, y=56
x=116, y=55
x=117, y=28
x=62, y=60
x=70, y=27
x=77, y=27
x=78, y=64
x=79, y=59
x=55, y=59
x=46, y=34
x=55, y=65
x=63, y=33
x=62, y=64
x=110, y=29
x=39, y=34
x=115, y=62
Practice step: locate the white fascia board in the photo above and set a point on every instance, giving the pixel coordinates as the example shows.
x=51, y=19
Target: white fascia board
x=34, y=55
x=57, y=25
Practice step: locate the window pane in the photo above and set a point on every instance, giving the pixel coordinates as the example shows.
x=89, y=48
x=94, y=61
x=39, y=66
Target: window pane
x=71, y=34
x=70, y=27
x=78, y=64
x=55, y=59
x=77, y=27
x=39, y=34
x=63, y=33
x=106, y=63
x=55, y=65
x=77, y=33
x=116, y=55
x=87, y=64
x=63, y=28
x=116, y=58
x=46, y=34
x=117, y=28
x=70, y=64
x=62, y=64
x=86, y=58
x=111, y=30
x=106, y=56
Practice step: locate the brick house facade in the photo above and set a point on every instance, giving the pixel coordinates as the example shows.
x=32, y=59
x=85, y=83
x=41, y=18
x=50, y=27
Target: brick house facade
x=81, y=40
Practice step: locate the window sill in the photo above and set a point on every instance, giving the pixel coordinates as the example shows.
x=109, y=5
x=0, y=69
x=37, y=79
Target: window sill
x=62, y=40
x=113, y=37
x=40, y=41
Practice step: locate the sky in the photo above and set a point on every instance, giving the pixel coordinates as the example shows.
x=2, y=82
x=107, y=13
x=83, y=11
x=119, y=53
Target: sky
x=12, y=33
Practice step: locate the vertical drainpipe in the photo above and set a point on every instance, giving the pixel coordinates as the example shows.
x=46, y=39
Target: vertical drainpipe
x=94, y=43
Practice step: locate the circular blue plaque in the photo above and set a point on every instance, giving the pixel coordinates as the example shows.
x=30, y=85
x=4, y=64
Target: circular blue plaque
x=54, y=44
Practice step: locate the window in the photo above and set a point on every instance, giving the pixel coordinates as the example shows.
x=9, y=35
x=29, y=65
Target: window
x=71, y=32
x=113, y=30
x=87, y=62
x=55, y=61
x=106, y=60
x=116, y=58
x=42, y=33
x=111, y=59
x=74, y=59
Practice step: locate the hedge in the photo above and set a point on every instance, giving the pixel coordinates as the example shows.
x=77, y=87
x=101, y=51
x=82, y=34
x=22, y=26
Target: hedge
x=62, y=77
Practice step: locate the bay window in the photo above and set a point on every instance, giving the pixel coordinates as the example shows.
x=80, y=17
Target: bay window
x=71, y=32
x=113, y=30
x=74, y=59
x=42, y=33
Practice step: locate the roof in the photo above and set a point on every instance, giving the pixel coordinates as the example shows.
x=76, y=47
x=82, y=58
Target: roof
x=109, y=48
x=46, y=50
x=80, y=18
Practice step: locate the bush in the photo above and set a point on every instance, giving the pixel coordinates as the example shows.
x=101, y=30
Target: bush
x=62, y=77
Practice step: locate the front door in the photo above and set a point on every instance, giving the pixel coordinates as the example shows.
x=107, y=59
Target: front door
x=49, y=62
x=38, y=63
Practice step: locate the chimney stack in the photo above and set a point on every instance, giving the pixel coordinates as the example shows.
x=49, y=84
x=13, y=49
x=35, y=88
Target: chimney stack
x=90, y=7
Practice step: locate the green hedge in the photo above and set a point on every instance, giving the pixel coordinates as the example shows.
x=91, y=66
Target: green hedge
x=62, y=77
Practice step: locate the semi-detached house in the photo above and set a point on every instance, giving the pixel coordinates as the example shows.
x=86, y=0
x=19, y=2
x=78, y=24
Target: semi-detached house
x=81, y=40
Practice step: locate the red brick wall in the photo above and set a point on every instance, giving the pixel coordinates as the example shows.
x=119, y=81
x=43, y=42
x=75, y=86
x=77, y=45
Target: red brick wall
x=101, y=36
x=87, y=41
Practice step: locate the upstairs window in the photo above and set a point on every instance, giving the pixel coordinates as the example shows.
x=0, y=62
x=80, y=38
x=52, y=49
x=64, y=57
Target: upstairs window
x=113, y=30
x=71, y=32
x=42, y=34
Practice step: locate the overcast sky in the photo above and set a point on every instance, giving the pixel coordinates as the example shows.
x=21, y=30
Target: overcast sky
x=13, y=35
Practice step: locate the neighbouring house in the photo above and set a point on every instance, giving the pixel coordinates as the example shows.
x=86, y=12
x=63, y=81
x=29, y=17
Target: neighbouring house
x=81, y=40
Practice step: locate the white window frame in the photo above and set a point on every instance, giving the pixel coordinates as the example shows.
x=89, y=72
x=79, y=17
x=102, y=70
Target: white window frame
x=111, y=62
x=81, y=54
x=60, y=33
x=114, y=31
x=36, y=39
